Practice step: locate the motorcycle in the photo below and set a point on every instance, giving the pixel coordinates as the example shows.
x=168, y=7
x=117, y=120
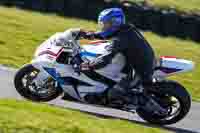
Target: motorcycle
x=52, y=73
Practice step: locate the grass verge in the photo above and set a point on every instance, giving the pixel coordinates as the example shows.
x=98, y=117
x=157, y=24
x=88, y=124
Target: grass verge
x=27, y=117
x=22, y=31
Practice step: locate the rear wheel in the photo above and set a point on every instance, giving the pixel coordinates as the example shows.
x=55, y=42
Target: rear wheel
x=26, y=88
x=171, y=96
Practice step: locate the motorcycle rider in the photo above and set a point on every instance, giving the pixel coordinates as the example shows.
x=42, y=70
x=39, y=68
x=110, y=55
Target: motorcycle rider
x=127, y=42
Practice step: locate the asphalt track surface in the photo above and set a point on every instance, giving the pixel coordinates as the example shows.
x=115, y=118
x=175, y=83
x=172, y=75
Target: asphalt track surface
x=191, y=123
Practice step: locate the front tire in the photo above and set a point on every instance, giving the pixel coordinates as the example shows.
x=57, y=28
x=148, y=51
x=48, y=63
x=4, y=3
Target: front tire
x=26, y=92
x=166, y=89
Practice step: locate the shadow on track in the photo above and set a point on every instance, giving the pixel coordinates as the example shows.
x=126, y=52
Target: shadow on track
x=172, y=129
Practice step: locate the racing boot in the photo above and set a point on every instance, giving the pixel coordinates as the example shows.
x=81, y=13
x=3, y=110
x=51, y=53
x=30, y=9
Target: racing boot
x=118, y=95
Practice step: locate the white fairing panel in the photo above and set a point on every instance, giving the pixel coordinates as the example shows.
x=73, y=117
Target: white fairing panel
x=99, y=48
x=68, y=71
x=49, y=45
x=171, y=65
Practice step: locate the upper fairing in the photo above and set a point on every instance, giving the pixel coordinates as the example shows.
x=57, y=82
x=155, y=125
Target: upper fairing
x=97, y=47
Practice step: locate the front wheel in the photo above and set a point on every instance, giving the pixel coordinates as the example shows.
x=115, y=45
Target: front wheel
x=173, y=97
x=24, y=85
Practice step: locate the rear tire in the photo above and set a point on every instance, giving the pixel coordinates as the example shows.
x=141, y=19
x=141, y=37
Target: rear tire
x=176, y=90
x=25, y=92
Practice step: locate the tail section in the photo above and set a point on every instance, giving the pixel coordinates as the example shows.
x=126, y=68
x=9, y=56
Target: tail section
x=168, y=65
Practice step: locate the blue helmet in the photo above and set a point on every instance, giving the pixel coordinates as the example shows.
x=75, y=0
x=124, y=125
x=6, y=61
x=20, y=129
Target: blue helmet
x=115, y=16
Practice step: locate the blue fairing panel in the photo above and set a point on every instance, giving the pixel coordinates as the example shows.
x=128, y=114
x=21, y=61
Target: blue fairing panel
x=64, y=80
x=88, y=54
x=168, y=70
x=54, y=74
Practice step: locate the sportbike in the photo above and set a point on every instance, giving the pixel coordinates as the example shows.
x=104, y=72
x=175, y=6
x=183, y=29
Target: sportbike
x=53, y=72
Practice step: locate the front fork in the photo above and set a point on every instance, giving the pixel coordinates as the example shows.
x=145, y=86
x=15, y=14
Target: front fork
x=42, y=76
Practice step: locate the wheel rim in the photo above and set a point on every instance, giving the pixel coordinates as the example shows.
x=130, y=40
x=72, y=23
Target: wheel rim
x=173, y=108
x=43, y=92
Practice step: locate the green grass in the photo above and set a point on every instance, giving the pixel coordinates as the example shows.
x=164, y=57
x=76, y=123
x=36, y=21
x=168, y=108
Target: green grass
x=22, y=31
x=180, y=5
x=27, y=117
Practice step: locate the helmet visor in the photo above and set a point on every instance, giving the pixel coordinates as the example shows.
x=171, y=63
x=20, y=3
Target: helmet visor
x=103, y=26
